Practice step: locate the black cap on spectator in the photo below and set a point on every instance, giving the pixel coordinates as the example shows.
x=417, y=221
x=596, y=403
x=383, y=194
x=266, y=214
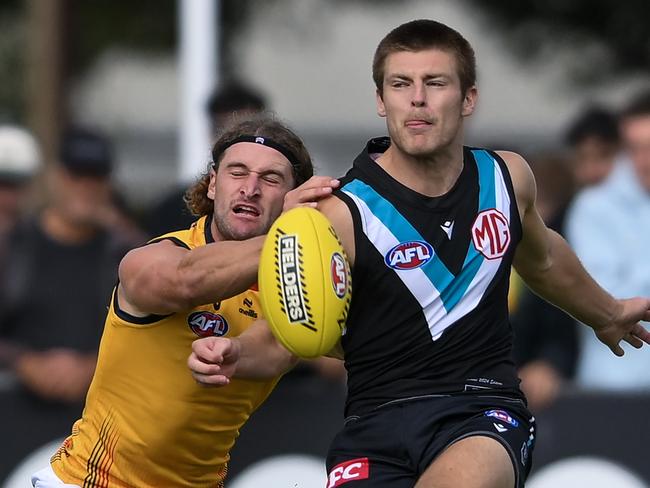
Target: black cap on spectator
x=86, y=153
x=232, y=97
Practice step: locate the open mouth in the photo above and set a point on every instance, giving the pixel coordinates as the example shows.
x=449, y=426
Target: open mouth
x=243, y=209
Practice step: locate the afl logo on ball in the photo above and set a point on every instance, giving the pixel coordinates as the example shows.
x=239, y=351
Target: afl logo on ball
x=339, y=275
x=491, y=234
x=409, y=255
x=206, y=324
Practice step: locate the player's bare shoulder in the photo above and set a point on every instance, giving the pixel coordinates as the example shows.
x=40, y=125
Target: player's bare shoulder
x=522, y=177
x=339, y=215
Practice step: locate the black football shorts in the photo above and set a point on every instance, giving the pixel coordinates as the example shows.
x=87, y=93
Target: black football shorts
x=394, y=444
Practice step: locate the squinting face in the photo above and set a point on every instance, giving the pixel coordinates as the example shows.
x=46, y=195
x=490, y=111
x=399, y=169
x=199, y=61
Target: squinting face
x=423, y=102
x=635, y=132
x=248, y=190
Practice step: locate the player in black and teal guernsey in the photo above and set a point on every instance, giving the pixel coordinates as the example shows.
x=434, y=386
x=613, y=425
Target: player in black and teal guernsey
x=439, y=270
x=431, y=228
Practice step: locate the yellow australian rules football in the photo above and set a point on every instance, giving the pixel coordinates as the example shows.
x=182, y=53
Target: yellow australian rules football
x=304, y=282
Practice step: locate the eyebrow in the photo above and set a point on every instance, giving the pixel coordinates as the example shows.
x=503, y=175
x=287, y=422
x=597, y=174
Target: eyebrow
x=409, y=78
x=270, y=171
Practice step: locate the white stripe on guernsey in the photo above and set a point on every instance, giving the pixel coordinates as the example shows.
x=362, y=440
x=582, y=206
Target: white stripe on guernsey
x=470, y=300
x=501, y=192
x=415, y=279
x=426, y=294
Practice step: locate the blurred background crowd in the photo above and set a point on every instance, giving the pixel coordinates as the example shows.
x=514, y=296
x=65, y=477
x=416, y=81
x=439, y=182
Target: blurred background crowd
x=105, y=120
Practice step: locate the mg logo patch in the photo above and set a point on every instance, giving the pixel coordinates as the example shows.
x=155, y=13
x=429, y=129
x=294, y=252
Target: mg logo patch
x=491, y=233
x=207, y=324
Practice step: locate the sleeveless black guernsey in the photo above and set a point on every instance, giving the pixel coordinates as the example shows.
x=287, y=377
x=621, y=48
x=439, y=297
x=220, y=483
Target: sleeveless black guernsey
x=429, y=310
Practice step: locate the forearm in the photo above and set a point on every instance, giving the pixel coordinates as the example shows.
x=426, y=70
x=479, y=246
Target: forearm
x=220, y=270
x=261, y=356
x=566, y=284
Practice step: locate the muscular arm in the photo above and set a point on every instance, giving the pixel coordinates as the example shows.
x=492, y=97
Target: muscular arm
x=164, y=278
x=551, y=269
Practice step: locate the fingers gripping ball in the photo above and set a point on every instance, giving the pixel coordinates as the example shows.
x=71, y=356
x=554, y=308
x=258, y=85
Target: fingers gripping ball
x=304, y=282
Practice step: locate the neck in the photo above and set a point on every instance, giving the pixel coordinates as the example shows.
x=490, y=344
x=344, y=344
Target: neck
x=62, y=230
x=431, y=175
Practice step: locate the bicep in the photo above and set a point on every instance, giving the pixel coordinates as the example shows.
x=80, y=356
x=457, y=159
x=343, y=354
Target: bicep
x=148, y=278
x=533, y=251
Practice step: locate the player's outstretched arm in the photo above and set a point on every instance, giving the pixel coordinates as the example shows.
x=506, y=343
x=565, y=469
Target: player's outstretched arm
x=255, y=354
x=162, y=278
x=550, y=268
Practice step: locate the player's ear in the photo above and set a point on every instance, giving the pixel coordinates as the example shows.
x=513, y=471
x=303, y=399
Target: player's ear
x=469, y=102
x=381, y=109
x=212, y=185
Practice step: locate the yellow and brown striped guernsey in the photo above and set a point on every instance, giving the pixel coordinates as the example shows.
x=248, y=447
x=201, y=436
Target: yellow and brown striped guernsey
x=146, y=421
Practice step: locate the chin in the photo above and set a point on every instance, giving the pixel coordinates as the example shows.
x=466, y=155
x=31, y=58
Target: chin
x=419, y=150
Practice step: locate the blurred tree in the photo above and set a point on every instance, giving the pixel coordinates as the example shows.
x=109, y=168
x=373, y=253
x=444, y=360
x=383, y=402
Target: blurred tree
x=145, y=25
x=609, y=37
x=12, y=69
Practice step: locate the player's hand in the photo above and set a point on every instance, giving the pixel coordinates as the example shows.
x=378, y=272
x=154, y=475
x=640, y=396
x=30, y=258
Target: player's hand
x=308, y=194
x=626, y=326
x=214, y=360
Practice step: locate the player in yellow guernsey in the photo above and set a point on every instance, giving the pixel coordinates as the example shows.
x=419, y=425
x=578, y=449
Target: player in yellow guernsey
x=146, y=422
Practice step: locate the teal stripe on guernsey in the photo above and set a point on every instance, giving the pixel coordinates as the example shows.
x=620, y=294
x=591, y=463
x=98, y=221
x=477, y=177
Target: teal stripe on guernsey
x=401, y=228
x=451, y=288
x=487, y=199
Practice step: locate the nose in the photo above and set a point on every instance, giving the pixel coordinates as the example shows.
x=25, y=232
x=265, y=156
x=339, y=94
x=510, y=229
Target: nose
x=250, y=186
x=419, y=95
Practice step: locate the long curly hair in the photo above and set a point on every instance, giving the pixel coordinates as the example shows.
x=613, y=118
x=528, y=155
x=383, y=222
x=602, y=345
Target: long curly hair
x=263, y=124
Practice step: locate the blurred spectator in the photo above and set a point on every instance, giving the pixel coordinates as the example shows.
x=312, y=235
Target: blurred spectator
x=608, y=228
x=233, y=98
x=61, y=267
x=545, y=338
x=594, y=141
x=20, y=160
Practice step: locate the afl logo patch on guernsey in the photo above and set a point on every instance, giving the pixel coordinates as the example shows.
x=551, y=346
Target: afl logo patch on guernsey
x=339, y=275
x=491, y=233
x=503, y=416
x=409, y=255
x=289, y=279
x=207, y=324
